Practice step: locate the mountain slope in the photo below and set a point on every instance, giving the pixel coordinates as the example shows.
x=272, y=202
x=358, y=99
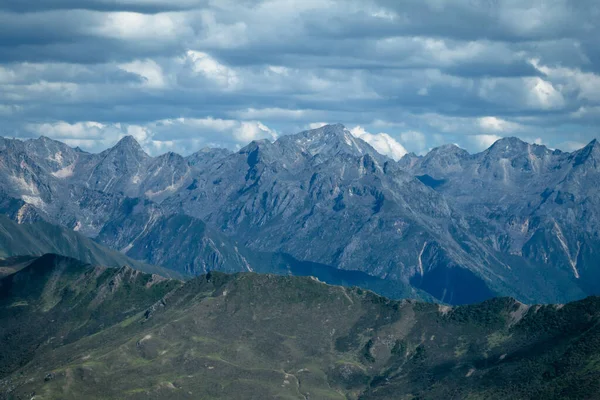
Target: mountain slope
x=249, y=336
x=324, y=196
x=10, y=265
x=96, y=297
x=517, y=219
x=206, y=249
x=45, y=179
x=535, y=206
x=41, y=237
x=321, y=196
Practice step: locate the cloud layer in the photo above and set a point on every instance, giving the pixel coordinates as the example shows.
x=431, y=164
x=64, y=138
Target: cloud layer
x=182, y=74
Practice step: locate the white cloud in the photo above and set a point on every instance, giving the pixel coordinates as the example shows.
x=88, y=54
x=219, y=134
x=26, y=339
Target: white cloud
x=585, y=85
x=271, y=113
x=495, y=124
x=316, y=125
x=253, y=130
x=136, y=26
x=482, y=142
x=190, y=126
x=157, y=146
x=542, y=94
x=89, y=135
x=141, y=133
x=66, y=90
x=149, y=70
x=8, y=75
x=528, y=93
x=183, y=135
x=279, y=70
x=203, y=64
x=571, y=146
x=210, y=131
x=222, y=34
x=9, y=109
x=92, y=135
x=66, y=130
x=288, y=63
x=583, y=112
x=414, y=140
x=382, y=142
x=379, y=123
x=439, y=51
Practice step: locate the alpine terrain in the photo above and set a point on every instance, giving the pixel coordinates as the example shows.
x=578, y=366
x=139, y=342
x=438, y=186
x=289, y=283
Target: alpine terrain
x=516, y=220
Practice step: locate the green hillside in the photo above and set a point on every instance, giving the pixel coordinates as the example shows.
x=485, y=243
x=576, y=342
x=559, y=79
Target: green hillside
x=72, y=331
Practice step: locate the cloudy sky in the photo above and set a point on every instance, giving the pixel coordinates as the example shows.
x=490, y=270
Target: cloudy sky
x=405, y=75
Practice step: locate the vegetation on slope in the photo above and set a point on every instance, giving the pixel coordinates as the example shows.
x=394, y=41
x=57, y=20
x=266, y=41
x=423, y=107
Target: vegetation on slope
x=71, y=331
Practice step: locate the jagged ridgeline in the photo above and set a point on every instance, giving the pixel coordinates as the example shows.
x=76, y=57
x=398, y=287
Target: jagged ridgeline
x=516, y=220
x=73, y=331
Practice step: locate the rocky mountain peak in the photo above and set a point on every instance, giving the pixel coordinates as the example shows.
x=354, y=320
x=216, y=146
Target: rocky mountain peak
x=523, y=156
x=442, y=159
x=409, y=160
x=259, y=151
x=45, y=139
x=47, y=147
x=213, y=150
x=333, y=130
x=126, y=151
x=508, y=145
x=318, y=145
x=206, y=155
x=12, y=144
x=128, y=145
x=256, y=146
x=327, y=133
x=170, y=156
x=329, y=141
x=593, y=146
x=590, y=153
x=449, y=149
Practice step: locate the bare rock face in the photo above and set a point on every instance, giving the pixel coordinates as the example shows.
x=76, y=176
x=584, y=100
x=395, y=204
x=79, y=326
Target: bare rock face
x=537, y=207
x=517, y=219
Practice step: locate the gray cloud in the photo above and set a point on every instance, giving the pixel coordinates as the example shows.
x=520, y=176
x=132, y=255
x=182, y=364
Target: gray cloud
x=188, y=73
x=140, y=6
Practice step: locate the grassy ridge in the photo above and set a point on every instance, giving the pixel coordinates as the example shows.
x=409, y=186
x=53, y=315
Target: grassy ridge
x=71, y=331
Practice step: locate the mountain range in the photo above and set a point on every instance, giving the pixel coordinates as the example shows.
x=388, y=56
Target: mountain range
x=516, y=220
